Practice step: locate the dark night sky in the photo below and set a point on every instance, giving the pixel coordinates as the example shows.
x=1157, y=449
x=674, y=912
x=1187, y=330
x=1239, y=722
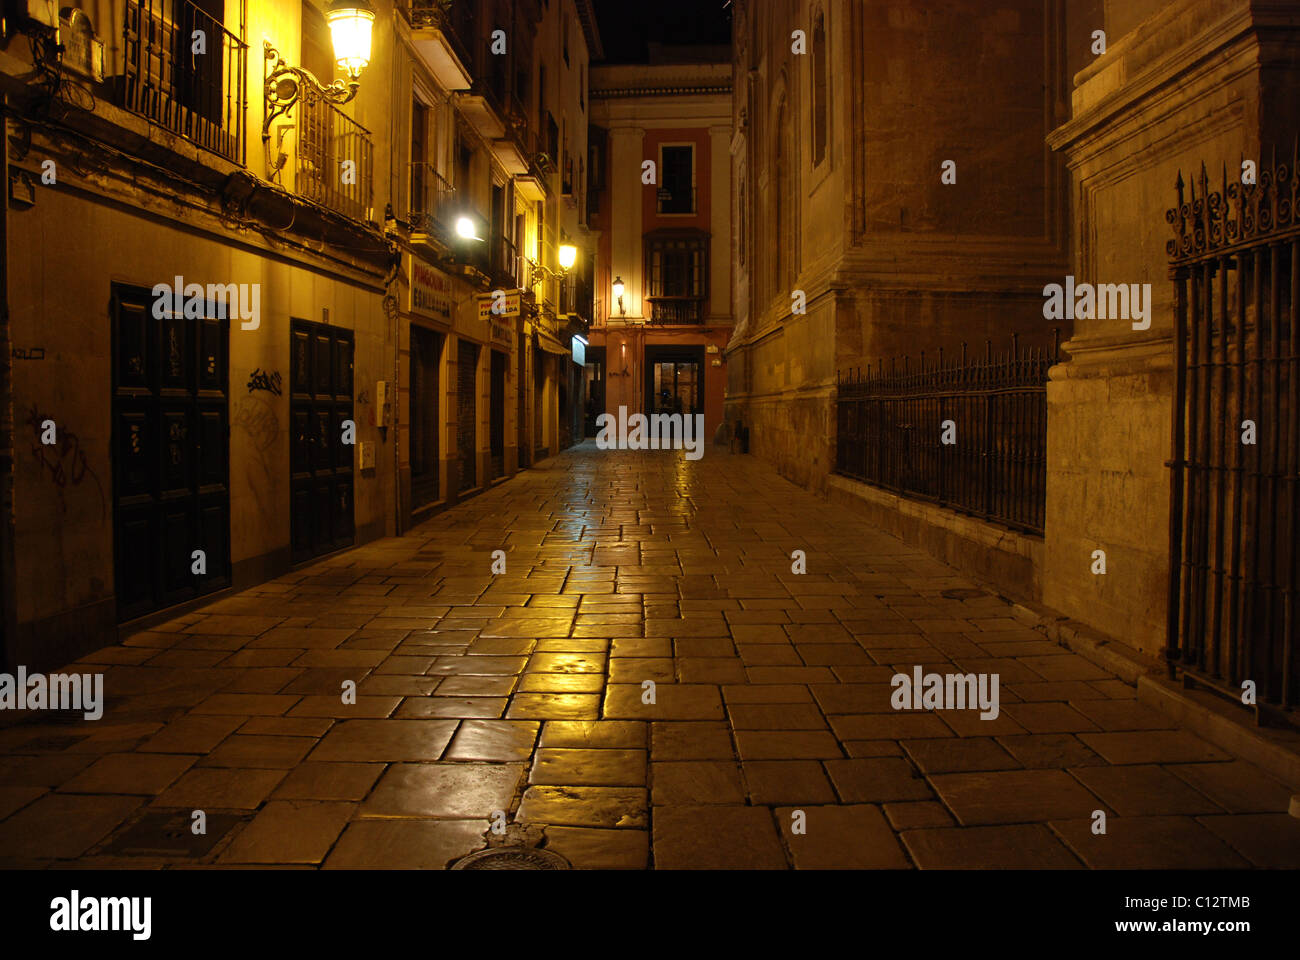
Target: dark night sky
x=626, y=26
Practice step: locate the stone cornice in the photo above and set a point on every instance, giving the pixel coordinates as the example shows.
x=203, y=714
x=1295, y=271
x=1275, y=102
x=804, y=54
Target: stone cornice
x=1092, y=357
x=1112, y=87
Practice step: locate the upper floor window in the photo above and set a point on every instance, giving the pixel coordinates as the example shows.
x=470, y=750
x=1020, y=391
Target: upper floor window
x=677, y=179
x=740, y=232
x=541, y=93
x=783, y=191
x=419, y=154
x=677, y=265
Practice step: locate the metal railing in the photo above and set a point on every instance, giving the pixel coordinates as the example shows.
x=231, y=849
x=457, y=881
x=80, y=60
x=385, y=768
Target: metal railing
x=433, y=202
x=577, y=297
x=1235, y=465
x=201, y=96
x=676, y=310
x=675, y=201
x=506, y=265
x=335, y=159
x=968, y=434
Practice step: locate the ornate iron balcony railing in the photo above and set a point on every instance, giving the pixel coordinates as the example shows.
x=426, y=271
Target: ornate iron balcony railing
x=201, y=96
x=335, y=160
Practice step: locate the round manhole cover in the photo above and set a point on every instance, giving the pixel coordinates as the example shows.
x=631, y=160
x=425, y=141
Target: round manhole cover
x=512, y=858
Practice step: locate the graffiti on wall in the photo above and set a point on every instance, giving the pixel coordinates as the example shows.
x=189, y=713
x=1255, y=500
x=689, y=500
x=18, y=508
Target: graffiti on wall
x=63, y=463
x=268, y=380
x=257, y=418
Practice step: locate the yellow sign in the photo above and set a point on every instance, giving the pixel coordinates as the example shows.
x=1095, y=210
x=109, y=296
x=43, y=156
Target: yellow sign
x=498, y=304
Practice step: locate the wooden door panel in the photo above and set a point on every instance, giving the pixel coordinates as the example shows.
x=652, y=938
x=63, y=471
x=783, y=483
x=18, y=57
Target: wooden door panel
x=177, y=452
x=214, y=535
x=169, y=452
x=136, y=545
x=321, y=379
x=178, y=543
x=210, y=460
x=300, y=519
x=132, y=364
x=300, y=363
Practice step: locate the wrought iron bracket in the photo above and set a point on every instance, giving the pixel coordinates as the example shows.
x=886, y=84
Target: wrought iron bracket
x=537, y=272
x=286, y=85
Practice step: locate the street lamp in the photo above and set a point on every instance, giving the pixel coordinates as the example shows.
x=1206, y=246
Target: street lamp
x=618, y=295
x=567, y=256
x=351, y=25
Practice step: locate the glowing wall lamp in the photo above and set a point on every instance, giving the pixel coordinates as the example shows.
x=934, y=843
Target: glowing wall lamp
x=465, y=229
x=351, y=24
x=618, y=295
x=567, y=256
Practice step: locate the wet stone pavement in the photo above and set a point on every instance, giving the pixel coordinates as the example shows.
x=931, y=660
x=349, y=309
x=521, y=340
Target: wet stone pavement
x=522, y=693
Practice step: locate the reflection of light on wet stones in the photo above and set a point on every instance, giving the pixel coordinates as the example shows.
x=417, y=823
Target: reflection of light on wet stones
x=512, y=858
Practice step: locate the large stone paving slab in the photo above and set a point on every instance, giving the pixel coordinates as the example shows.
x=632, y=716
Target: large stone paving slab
x=1014, y=796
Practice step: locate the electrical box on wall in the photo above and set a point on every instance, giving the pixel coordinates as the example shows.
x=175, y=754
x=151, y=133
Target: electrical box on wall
x=367, y=454
x=384, y=407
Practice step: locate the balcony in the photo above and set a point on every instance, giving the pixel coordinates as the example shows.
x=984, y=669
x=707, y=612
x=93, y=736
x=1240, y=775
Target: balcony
x=335, y=160
x=433, y=207
x=481, y=106
x=201, y=97
x=676, y=202
x=676, y=310
x=506, y=266
x=577, y=298
x=440, y=33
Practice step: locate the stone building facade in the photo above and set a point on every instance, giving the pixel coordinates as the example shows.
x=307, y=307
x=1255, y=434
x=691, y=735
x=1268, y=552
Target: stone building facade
x=496, y=132
x=1211, y=82
x=1066, y=161
x=214, y=272
x=850, y=247
x=665, y=235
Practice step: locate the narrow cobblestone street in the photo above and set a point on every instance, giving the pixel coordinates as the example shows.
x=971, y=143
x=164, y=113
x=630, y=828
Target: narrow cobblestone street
x=522, y=692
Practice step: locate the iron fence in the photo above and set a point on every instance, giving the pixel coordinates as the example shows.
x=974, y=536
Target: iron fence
x=200, y=95
x=1235, y=464
x=968, y=434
